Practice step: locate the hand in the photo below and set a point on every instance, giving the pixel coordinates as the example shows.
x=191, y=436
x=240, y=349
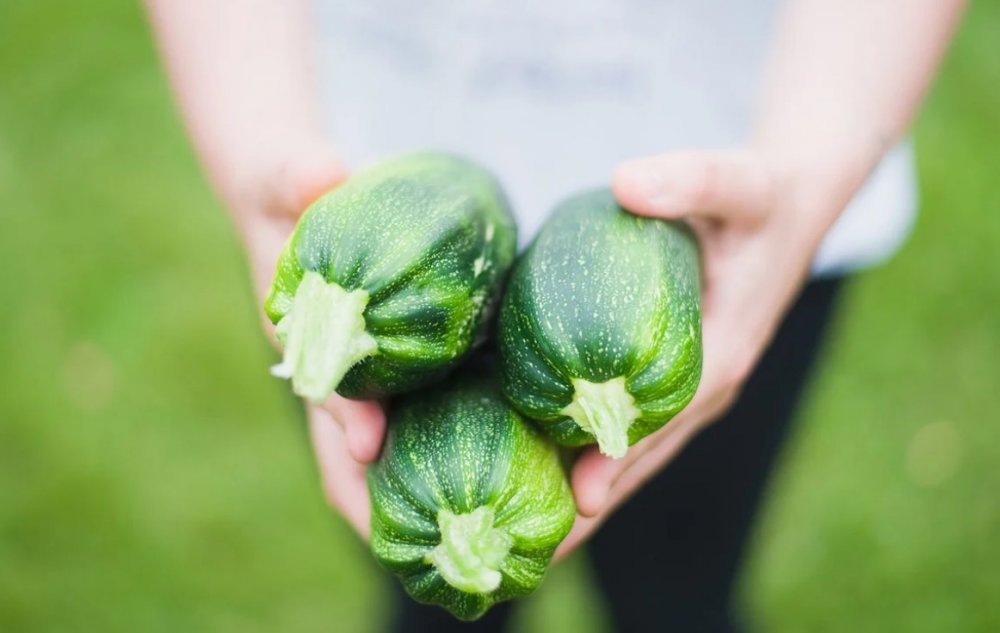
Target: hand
x=758, y=227
x=346, y=434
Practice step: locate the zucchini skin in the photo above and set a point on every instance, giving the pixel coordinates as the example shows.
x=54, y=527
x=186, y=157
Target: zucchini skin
x=601, y=294
x=429, y=237
x=460, y=447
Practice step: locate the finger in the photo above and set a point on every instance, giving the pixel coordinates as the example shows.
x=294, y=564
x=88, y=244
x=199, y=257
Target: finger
x=303, y=178
x=343, y=478
x=596, y=468
x=647, y=464
x=363, y=422
x=719, y=184
x=594, y=475
x=583, y=528
x=602, y=483
x=591, y=479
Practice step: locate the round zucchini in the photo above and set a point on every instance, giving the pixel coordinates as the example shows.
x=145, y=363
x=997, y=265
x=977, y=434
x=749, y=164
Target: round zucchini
x=469, y=501
x=600, y=327
x=388, y=280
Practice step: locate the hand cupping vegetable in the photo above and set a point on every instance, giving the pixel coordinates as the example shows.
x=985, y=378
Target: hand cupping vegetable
x=387, y=283
x=388, y=279
x=468, y=500
x=600, y=327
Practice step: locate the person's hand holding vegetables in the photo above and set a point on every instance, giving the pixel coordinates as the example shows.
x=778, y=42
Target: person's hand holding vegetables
x=757, y=226
x=254, y=116
x=759, y=213
x=347, y=434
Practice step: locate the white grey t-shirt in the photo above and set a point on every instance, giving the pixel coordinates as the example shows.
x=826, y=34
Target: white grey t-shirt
x=551, y=95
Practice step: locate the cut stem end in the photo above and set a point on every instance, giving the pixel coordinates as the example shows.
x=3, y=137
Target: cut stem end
x=606, y=410
x=324, y=336
x=471, y=550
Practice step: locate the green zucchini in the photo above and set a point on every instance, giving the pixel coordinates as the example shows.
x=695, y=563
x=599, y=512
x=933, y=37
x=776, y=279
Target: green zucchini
x=388, y=280
x=469, y=501
x=600, y=327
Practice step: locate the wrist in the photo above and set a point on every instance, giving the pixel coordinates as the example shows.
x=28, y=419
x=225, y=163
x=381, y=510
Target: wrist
x=814, y=187
x=831, y=167
x=278, y=180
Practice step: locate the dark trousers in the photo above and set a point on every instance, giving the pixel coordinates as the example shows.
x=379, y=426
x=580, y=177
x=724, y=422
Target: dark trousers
x=669, y=558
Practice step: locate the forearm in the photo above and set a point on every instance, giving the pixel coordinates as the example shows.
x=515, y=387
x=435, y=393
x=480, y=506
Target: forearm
x=242, y=72
x=844, y=80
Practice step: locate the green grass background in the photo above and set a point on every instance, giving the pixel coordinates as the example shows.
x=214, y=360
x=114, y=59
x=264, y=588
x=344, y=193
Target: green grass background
x=154, y=478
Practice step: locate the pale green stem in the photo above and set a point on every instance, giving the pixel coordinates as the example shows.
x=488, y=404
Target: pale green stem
x=471, y=550
x=324, y=336
x=605, y=410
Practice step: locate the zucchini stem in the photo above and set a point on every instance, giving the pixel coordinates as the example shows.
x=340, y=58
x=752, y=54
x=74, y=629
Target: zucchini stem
x=324, y=336
x=606, y=410
x=471, y=550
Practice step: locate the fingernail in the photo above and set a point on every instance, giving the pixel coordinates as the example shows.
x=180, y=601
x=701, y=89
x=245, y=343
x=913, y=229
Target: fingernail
x=648, y=185
x=599, y=501
x=666, y=204
x=644, y=181
x=358, y=446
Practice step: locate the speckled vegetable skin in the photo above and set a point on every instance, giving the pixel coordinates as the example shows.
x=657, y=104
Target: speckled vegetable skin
x=413, y=251
x=458, y=452
x=611, y=299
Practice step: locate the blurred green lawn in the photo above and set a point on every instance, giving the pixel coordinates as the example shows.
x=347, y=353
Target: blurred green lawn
x=153, y=477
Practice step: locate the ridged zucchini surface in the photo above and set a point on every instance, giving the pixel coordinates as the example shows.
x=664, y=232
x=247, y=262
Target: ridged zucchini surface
x=469, y=500
x=388, y=279
x=600, y=326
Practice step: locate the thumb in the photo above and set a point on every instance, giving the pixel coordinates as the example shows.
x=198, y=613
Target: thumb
x=715, y=184
x=303, y=177
x=363, y=422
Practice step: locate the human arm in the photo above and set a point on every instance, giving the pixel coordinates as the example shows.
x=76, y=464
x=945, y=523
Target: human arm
x=843, y=81
x=242, y=74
